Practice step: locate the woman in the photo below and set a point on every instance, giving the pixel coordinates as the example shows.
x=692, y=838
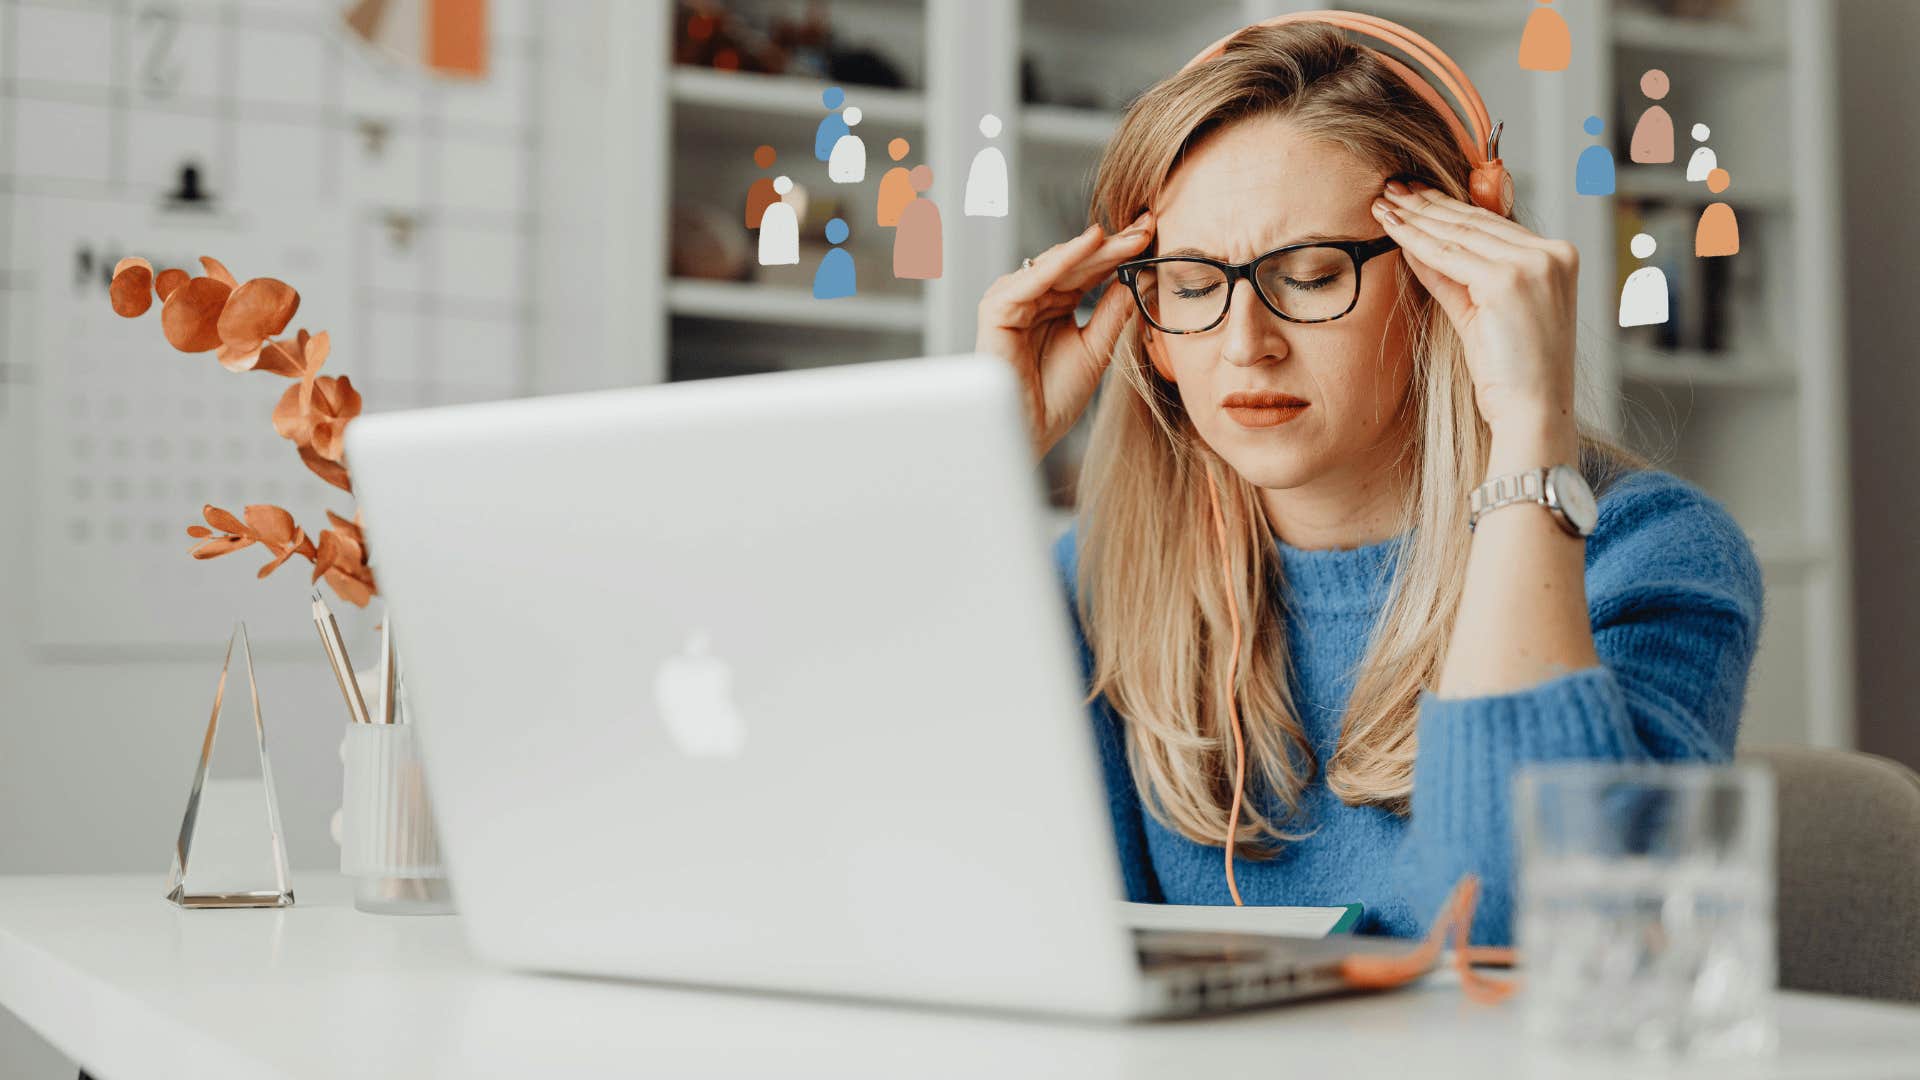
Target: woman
x=1396, y=668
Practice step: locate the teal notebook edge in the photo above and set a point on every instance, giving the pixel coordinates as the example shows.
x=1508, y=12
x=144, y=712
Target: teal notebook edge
x=1348, y=921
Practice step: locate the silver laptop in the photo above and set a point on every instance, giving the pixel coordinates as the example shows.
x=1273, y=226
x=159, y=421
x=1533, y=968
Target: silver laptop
x=767, y=682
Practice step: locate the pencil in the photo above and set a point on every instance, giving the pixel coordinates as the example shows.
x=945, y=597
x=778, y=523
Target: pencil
x=337, y=656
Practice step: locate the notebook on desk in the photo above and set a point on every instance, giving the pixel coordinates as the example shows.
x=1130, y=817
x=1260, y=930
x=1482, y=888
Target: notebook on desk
x=1312, y=922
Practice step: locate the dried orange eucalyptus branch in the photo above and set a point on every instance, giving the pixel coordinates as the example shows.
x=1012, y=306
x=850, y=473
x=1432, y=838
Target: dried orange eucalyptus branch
x=237, y=322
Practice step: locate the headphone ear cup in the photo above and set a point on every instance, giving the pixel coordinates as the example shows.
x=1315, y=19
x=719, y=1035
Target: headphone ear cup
x=1492, y=188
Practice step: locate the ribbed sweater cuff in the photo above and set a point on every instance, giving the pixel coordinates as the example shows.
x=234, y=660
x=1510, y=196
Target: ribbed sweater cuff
x=1470, y=748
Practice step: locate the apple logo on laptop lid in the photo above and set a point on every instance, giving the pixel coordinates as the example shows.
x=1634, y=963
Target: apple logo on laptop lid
x=694, y=692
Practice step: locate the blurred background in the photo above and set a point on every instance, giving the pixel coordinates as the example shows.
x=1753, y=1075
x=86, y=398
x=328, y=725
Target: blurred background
x=555, y=202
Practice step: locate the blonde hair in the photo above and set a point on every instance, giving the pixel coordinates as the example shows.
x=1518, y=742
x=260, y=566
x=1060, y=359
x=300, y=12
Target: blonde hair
x=1150, y=593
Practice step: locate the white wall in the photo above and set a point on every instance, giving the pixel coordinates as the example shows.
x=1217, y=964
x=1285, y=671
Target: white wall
x=99, y=103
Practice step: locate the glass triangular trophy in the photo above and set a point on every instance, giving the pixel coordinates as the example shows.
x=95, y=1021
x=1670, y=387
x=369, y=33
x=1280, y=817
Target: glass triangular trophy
x=231, y=853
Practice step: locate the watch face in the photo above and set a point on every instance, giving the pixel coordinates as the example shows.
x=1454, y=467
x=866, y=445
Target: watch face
x=1574, y=497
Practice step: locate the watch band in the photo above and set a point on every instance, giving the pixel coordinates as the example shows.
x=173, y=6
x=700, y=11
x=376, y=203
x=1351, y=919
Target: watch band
x=1527, y=486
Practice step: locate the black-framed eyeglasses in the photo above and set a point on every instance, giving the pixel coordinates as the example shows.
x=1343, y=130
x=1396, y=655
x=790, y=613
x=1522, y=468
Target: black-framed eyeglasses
x=1302, y=283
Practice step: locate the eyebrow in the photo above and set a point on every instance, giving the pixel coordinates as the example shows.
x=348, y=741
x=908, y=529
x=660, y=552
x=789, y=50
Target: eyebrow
x=1310, y=238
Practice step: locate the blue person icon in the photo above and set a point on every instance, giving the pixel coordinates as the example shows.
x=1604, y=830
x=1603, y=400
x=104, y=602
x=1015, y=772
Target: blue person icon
x=832, y=126
x=835, y=275
x=1593, y=171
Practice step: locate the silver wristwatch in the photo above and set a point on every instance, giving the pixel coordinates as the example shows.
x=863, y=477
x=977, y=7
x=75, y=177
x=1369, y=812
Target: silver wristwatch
x=1561, y=489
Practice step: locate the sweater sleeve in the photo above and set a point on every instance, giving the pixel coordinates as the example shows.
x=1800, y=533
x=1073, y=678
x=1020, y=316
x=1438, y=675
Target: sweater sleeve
x=1675, y=597
x=1123, y=804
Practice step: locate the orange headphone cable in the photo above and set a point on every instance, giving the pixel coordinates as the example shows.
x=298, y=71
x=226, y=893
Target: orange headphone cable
x=1455, y=917
x=1233, y=668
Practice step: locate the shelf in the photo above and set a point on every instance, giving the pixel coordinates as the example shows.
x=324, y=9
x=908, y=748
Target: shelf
x=1644, y=31
x=1055, y=125
x=1693, y=368
x=747, y=302
x=1670, y=183
x=787, y=96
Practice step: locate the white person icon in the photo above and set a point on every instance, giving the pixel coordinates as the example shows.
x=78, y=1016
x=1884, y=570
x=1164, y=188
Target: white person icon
x=848, y=162
x=780, y=229
x=987, y=179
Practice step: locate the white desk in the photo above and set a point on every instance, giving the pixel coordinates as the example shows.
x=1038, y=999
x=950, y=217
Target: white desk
x=132, y=987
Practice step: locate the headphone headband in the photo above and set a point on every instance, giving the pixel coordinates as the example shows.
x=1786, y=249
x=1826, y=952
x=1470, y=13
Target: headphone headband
x=1491, y=186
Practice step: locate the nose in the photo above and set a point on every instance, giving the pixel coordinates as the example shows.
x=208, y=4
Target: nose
x=1251, y=334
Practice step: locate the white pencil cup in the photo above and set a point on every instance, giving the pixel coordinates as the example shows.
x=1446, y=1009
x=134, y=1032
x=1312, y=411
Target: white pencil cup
x=388, y=844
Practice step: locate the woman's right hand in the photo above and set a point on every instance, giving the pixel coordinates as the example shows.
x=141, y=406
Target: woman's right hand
x=1026, y=318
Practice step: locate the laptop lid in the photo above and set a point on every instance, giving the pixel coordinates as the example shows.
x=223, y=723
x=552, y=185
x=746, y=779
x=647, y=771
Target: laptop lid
x=762, y=682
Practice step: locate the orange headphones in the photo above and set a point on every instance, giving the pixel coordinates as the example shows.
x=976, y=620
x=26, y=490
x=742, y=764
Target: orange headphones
x=1491, y=187
x=1490, y=184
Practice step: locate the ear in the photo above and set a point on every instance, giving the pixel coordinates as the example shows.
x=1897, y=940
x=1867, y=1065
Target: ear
x=1156, y=346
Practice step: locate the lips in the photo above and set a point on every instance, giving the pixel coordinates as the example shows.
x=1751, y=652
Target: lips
x=1260, y=399
x=1261, y=408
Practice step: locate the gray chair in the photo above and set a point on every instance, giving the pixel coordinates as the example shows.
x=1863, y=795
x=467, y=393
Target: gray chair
x=1849, y=871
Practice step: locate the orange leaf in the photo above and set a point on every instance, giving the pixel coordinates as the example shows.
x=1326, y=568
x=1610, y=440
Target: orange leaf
x=346, y=399
x=255, y=312
x=131, y=291
x=316, y=348
x=277, y=357
x=325, y=553
x=349, y=588
x=272, y=524
x=332, y=472
x=289, y=419
x=275, y=564
x=190, y=318
x=200, y=531
x=234, y=359
x=168, y=280
x=324, y=442
x=221, y=545
x=218, y=272
x=222, y=520
x=325, y=400
x=131, y=260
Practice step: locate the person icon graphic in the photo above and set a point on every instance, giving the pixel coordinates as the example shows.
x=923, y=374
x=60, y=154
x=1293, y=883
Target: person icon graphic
x=848, y=162
x=761, y=195
x=1643, y=299
x=1703, y=160
x=835, y=276
x=916, y=240
x=780, y=229
x=896, y=190
x=832, y=126
x=1593, y=171
x=1653, y=136
x=987, y=179
x=1719, y=231
x=1545, y=44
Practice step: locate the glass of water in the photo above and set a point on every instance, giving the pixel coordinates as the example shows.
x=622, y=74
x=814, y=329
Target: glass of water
x=1646, y=906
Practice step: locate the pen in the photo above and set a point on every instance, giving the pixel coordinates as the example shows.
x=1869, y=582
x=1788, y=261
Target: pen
x=389, y=674
x=337, y=656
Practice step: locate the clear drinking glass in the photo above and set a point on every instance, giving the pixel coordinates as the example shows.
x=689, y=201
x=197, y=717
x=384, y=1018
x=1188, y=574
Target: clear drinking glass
x=389, y=844
x=1646, y=906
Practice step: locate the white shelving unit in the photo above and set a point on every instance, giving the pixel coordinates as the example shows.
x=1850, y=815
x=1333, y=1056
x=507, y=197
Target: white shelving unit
x=1757, y=425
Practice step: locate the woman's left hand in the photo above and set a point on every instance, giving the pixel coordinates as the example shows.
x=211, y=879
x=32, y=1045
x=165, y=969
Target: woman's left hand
x=1510, y=293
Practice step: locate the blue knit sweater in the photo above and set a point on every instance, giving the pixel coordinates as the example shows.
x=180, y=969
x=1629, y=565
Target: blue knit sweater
x=1674, y=592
